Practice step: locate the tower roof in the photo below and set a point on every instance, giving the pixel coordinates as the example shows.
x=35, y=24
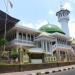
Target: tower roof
x=62, y=11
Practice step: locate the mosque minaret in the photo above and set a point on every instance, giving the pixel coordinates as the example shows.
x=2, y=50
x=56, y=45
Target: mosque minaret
x=63, y=18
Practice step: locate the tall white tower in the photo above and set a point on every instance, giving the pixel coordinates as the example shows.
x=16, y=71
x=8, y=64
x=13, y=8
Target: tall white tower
x=63, y=18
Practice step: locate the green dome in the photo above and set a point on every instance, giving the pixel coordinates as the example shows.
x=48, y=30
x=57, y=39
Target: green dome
x=51, y=29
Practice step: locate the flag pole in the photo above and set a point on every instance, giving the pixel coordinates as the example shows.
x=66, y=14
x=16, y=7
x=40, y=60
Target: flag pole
x=6, y=7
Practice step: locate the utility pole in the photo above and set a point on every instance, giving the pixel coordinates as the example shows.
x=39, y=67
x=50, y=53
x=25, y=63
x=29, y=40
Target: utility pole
x=5, y=30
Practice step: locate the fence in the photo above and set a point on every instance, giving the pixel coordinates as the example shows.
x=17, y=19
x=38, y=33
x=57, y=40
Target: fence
x=25, y=67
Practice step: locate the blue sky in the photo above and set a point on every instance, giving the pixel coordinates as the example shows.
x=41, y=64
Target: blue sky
x=35, y=13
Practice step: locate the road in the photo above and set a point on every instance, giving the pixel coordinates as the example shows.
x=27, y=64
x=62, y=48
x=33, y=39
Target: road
x=70, y=72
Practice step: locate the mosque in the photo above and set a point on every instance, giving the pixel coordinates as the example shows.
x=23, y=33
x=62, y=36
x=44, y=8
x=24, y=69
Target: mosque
x=47, y=44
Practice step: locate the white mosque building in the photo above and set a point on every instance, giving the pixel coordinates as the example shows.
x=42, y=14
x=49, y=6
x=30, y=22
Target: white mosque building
x=48, y=44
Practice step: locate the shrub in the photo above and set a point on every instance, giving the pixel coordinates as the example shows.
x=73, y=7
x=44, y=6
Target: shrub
x=2, y=42
x=14, y=54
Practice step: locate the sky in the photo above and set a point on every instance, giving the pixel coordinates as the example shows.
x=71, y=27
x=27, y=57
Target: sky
x=36, y=13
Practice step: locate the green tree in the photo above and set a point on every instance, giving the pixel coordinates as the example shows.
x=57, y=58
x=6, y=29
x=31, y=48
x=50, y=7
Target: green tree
x=3, y=42
x=4, y=54
x=14, y=54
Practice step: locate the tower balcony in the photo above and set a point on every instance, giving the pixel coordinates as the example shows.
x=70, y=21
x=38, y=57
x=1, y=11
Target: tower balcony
x=26, y=43
x=64, y=46
x=63, y=18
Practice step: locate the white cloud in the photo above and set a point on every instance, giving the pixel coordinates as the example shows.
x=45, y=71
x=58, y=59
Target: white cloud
x=72, y=28
x=72, y=1
x=40, y=23
x=29, y=25
x=37, y=25
x=51, y=12
x=25, y=24
x=67, y=5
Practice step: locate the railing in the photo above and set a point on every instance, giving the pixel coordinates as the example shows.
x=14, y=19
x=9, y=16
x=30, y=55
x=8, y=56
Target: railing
x=60, y=46
x=63, y=46
x=21, y=41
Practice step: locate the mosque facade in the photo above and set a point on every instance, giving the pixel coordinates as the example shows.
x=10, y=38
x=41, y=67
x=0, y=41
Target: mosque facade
x=45, y=45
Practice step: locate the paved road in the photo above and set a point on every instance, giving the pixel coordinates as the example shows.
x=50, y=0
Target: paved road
x=70, y=72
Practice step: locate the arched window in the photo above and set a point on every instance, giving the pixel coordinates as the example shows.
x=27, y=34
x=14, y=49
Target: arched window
x=20, y=35
x=39, y=44
x=24, y=36
x=32, y=38
x=28, y=37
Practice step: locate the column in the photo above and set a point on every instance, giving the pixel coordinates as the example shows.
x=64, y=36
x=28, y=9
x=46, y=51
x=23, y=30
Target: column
x=66, y=56
x=17, y=35
x=50, y=47
x=17, y=38
x=30, y=37
x=22, y=37
x=26, y=36
x=56, y=42
x=33, y=37
x=43, y=44
x=59, y=55
x=46, y=46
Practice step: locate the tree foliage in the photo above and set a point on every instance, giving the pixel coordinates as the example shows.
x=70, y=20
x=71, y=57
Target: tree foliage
x=2, y=42
x=14, y=54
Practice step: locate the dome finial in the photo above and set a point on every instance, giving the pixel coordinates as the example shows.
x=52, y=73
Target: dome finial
x=47, y=21
x=61, y=5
